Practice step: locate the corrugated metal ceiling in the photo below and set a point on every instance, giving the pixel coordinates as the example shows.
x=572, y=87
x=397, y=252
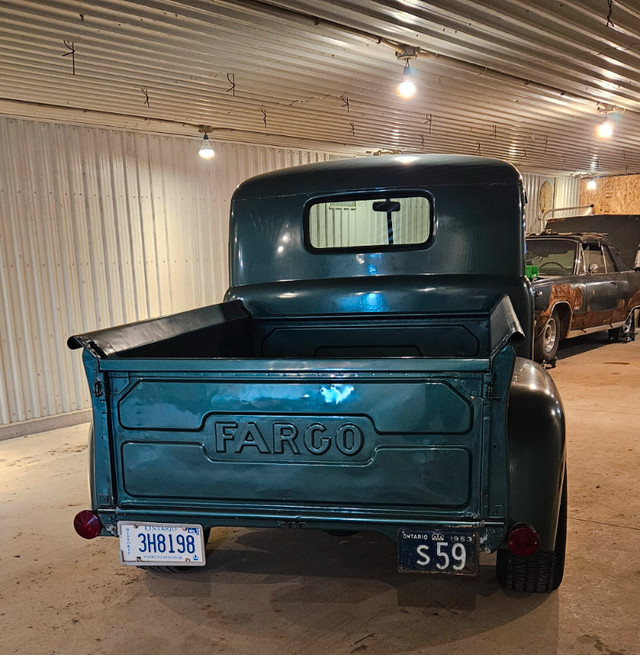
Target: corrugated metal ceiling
x=522, y=80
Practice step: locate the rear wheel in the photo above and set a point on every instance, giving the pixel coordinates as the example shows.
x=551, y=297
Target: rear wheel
x=546, y=345
x=541, y=572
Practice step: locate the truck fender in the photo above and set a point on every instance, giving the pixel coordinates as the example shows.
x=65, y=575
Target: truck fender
x=536, y=450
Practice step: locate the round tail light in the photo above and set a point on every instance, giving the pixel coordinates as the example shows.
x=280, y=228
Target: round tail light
x=523, y=540
x=87, y=524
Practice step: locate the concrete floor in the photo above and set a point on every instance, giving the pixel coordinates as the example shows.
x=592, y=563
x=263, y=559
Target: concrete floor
x=286, y=592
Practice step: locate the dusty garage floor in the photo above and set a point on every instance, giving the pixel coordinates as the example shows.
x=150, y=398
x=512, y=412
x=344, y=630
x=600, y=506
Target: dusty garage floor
x=290, y=592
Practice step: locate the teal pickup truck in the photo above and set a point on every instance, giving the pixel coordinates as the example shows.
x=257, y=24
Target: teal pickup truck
x=369, y=369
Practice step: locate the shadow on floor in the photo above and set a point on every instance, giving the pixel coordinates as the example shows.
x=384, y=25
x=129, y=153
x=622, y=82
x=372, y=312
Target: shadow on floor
x=301, y=576
x=579, y=345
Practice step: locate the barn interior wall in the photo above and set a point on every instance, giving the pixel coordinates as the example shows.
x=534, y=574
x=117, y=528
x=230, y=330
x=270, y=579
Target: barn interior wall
x=564, y=193
x=100, y=227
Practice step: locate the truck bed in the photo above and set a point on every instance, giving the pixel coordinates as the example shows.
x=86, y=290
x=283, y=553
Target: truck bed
x=243, y=417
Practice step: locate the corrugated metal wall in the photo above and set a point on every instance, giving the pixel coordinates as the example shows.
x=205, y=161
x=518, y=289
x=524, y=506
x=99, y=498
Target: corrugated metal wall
x=101, y=227
x=565, y=193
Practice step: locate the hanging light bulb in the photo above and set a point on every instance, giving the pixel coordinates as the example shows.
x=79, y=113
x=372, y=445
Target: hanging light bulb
x=605, y=129
x=407, y=88
x=591, y=185
x=206, y=150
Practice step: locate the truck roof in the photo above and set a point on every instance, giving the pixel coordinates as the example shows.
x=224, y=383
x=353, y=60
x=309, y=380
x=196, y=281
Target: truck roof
x=408, y=171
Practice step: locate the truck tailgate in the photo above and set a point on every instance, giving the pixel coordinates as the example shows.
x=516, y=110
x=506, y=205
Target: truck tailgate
x=403, y=435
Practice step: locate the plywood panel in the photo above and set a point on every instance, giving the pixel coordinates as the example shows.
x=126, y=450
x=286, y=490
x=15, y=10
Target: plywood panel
x=613, y=195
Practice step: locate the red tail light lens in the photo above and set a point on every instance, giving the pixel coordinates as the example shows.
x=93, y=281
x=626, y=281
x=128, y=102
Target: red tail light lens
x=523, y=540
x=87, y=524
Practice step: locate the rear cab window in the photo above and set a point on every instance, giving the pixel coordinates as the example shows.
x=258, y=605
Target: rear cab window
x=378, y=221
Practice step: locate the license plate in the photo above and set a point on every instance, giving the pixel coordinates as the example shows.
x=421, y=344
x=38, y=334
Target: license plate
x=161, y=544
x=449, y=550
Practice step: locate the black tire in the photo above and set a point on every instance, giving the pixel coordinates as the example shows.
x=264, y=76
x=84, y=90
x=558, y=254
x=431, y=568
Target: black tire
x=206, y=533
x=539, y=573
x=629, y=328
x=547, y=342
x=614, y=334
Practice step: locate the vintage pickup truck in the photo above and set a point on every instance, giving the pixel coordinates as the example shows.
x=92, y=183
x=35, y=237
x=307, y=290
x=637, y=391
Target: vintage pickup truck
x=369, y=369
x=582, y=285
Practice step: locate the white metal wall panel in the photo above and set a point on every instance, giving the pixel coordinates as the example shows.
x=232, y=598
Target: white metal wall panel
x=100, y=227
x=568, y=195
x=565, y=194
x=533, y=214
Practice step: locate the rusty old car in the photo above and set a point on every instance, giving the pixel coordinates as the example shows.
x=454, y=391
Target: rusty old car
x=581, y=285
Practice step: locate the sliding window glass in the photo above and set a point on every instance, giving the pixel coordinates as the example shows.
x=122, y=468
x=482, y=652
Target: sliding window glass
x=377, y=222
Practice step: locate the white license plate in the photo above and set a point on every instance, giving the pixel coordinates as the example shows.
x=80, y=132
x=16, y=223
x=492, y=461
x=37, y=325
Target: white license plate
x=161, y=544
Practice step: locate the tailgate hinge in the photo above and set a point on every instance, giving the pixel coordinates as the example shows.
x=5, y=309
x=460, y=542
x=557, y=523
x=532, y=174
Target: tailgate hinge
x=98, y=386
x=488, y=389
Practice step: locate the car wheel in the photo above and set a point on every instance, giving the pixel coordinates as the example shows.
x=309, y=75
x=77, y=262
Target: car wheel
x=614, y=334
x=547, y=343
x=629, y=328
x=541, y=572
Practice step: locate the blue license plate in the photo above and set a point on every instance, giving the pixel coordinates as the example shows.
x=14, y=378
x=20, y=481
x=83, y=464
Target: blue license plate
x=450, y=550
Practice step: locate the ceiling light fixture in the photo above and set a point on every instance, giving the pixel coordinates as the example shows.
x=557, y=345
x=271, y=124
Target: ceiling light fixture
x=605, y=129
x=591, y=185
x=206, y=149
x=407, y=88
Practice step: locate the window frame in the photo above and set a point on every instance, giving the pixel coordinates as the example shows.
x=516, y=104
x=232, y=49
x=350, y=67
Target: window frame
x=608, y=259
x=594, y=247
x=372, y=195
x=578, y=251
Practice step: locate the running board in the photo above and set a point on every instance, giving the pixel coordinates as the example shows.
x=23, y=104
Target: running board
x=598, y=328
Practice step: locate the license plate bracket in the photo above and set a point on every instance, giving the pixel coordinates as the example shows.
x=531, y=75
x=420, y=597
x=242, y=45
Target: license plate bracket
x=444, y=550
x=161, y=544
